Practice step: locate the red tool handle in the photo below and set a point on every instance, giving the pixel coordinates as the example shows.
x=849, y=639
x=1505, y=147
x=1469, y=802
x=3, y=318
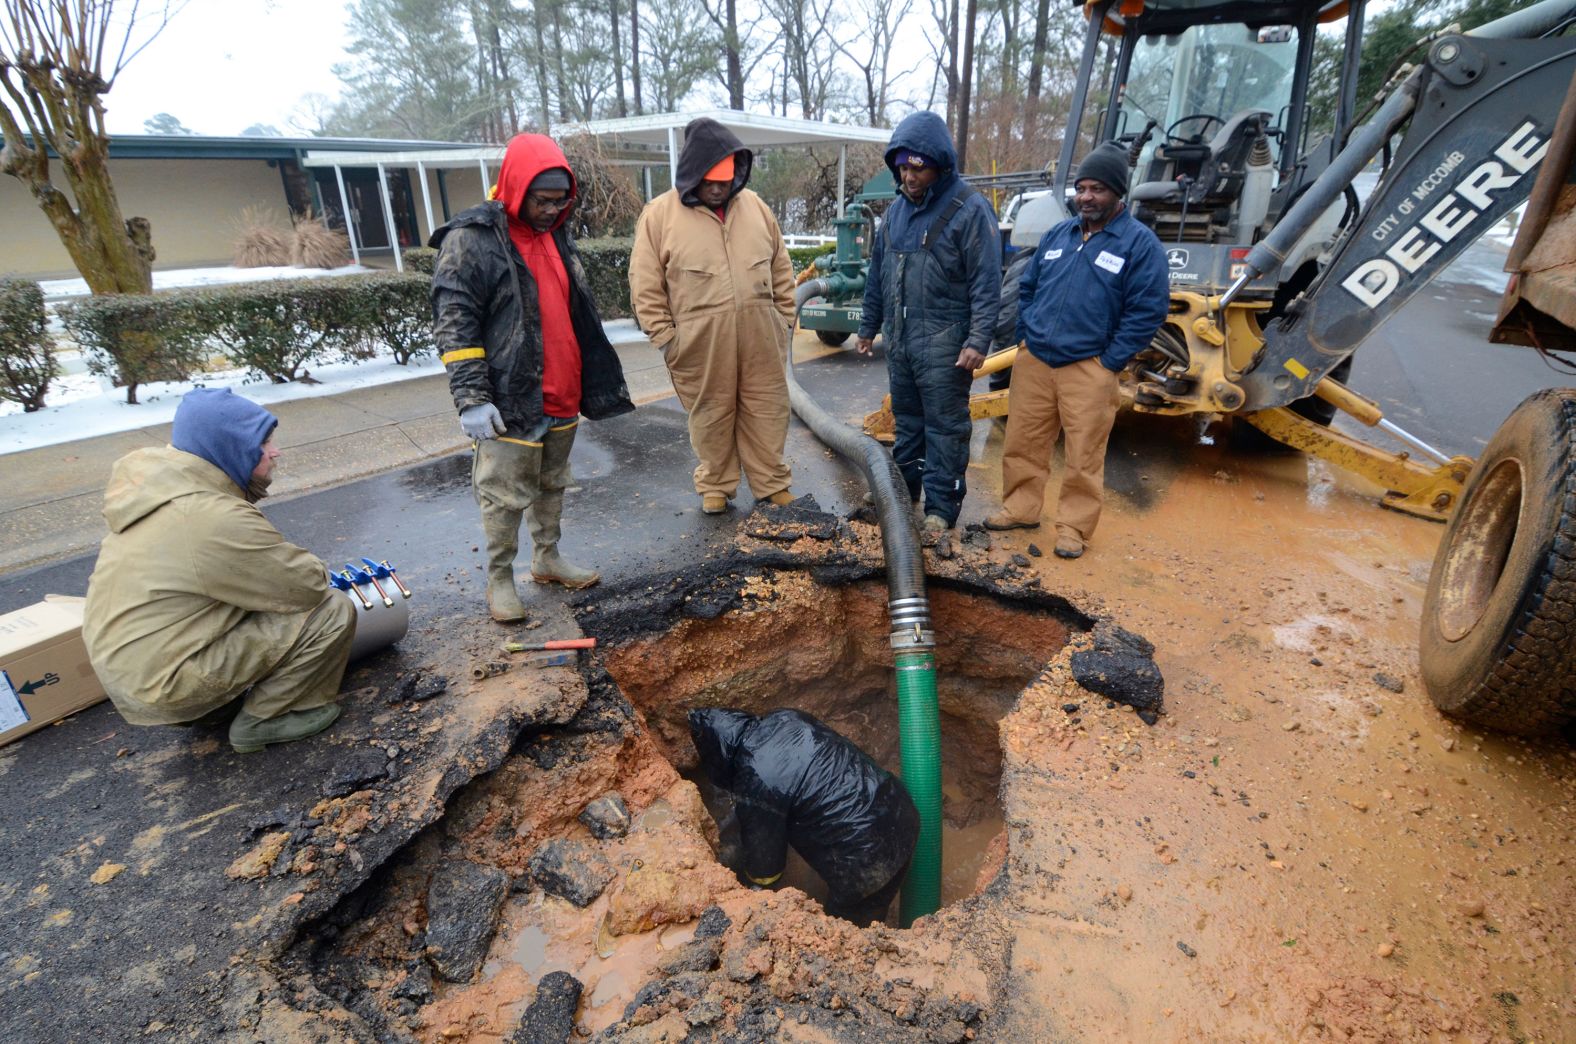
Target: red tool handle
x=566, y=643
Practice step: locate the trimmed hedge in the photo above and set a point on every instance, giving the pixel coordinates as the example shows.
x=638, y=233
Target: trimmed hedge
x=275, y=329
x=137, y=338
x=802, y=256
x=419, y=259
x=606, y=263
x=27, y=363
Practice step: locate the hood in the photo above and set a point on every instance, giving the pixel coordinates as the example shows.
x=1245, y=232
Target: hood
x=718, y=733
x=526, y=157
x=224, y=429
x=706, y=142
x=924, y=132
x=145, y=480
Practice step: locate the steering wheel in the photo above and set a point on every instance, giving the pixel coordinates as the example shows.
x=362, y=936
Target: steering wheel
x=1205, y=118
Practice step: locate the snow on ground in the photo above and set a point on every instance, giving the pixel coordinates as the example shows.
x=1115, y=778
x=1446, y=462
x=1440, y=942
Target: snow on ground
x=81, y=405
x=63, y=289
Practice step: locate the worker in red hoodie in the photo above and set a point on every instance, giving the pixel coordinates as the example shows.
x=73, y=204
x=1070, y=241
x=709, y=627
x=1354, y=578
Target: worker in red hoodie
x=523, y=345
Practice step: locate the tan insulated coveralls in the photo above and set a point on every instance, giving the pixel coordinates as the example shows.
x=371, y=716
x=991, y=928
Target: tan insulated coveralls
x=716, y=297
x=196, y=596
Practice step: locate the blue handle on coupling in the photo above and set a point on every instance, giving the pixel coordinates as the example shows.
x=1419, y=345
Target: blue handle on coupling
x=380, y=570
x=337, y=581
x=359, y=575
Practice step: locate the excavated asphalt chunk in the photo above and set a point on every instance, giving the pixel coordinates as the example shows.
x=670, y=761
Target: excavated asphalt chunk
x=550, y=1019
x=463, y=901
x=571, y=870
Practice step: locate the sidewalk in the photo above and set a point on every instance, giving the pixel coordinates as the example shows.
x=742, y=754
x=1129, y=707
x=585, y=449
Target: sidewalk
x=51, y=497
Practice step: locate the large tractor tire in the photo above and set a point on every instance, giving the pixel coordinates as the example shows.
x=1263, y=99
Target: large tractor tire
x=1499, y=619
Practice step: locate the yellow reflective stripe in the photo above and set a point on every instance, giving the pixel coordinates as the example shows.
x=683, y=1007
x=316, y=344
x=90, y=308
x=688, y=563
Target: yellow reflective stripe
x=519, y=442
x=1298, y=369
x=461, y=354
x=767, y=880
x=565, y=427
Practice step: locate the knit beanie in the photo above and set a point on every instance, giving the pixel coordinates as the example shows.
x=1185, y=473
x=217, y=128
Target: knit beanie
x=1107, y=164
x=553, y=179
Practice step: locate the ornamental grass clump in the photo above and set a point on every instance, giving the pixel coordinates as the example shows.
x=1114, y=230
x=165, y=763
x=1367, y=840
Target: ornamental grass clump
x=259, y=242
x=318, y=246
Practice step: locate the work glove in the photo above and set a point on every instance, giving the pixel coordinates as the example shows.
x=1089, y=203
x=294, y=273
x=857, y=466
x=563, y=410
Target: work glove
x=482, y=421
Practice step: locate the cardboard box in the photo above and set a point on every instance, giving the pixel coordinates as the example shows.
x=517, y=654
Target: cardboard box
x=44, y=669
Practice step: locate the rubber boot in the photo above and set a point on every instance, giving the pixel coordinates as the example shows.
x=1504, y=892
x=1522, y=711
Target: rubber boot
x=502, y=528
x=250, y=734
x=547, y=565
x=546, y=513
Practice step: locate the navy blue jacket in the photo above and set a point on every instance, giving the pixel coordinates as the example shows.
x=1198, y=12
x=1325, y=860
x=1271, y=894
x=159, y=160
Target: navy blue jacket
x=950, y=299
x=1105, y=298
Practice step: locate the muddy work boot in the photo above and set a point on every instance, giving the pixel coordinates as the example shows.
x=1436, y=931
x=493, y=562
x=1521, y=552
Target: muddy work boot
x=1001, y=522
x=250, y=734
x=934, y=524
x=549, y=567
x=503, y=542
x=1068, y=546
x=713, y=503
x=782, y=498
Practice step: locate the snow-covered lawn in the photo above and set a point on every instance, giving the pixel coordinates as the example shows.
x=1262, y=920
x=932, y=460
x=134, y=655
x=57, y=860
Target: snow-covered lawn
x=63, y=289
x=81, y=405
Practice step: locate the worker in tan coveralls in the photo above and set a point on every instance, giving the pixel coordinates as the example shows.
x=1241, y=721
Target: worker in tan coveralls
x=198, y=607
x=711, y=285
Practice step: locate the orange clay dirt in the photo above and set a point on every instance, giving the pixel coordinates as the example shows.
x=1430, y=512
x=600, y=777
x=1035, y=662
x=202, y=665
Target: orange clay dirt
x=1296, y=850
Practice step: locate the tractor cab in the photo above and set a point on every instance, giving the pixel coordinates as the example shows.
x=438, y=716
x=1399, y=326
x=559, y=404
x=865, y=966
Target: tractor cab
x=1213, y=101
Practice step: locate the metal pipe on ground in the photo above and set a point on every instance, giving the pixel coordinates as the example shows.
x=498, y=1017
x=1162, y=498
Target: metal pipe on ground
x=913, y=641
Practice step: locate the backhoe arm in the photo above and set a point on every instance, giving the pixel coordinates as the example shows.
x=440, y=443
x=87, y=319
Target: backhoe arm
x=1477, y=117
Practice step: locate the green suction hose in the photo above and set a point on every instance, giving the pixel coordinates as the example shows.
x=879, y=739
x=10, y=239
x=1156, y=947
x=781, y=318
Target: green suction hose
x=913, y=642
x=919, y=726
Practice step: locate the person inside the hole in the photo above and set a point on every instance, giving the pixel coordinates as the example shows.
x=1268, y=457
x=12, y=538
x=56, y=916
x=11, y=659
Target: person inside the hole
x=796, y=782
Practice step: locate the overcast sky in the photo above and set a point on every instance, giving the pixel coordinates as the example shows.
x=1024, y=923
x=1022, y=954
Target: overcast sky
x=223, y=65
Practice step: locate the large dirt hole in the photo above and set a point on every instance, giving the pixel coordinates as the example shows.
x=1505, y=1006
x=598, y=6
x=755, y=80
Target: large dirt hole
x=824, y=650
x=752, y=638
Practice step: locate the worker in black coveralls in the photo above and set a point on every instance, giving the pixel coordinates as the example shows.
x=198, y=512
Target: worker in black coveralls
x=797, y=782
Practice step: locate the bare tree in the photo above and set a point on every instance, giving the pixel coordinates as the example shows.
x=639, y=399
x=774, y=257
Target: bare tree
x=944, y=47
x=634, y=53
x=58, y=59
x=742, y=47
x=543, y=97
x=682, y=47
x=724, y=14
x=809, y=51
x=965, y=89
x=1042, y=26
x=618, y=57
x=870, y=50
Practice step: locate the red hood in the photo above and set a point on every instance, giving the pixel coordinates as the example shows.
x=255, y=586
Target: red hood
x=526, y=157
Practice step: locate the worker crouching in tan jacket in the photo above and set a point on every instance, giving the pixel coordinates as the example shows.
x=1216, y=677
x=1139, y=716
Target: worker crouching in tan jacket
x=197, y=602
x=712, y=287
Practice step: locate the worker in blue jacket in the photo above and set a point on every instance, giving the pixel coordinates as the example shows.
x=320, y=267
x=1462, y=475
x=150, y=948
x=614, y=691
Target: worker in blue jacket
x=932, y=290
x=1092, y=298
